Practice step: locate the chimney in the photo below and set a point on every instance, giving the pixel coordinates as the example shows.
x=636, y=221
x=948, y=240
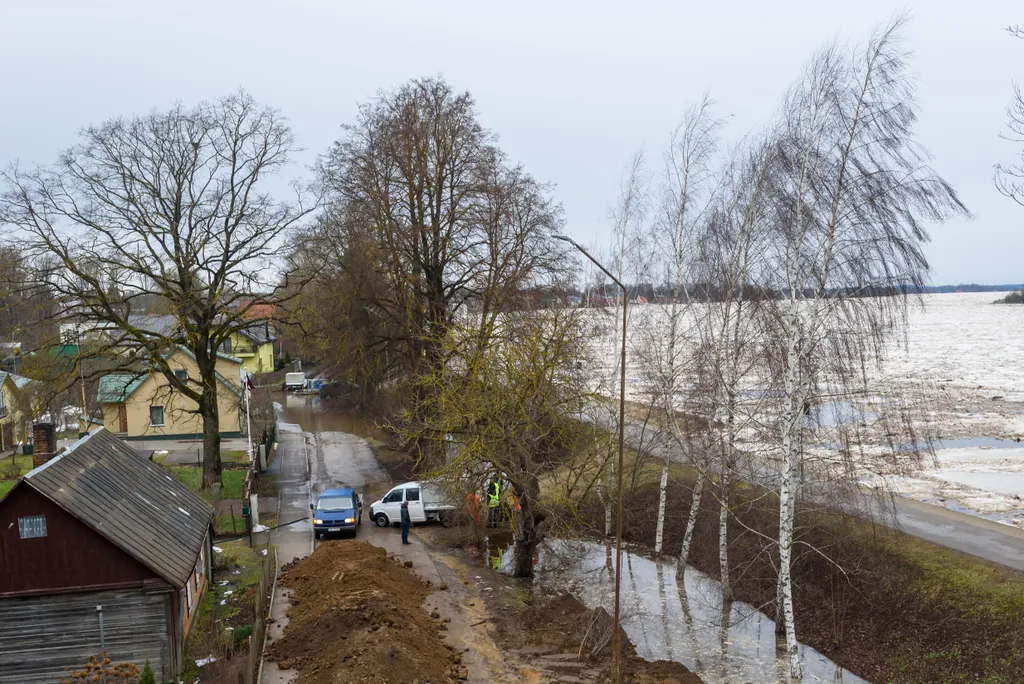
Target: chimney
x=44, y=443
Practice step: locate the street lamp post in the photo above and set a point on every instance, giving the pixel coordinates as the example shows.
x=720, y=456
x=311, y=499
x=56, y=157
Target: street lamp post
x=616, y=639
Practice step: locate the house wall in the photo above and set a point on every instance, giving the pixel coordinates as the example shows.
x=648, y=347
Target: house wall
x=179, y=417
x=189, y=597
x=262, y=361
x=41, y=636
x=71, y=557
x=10, y=420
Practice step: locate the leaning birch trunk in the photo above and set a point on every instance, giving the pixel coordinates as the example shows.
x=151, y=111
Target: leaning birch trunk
x=787, y=495
x=691, y=521
x=659, y=535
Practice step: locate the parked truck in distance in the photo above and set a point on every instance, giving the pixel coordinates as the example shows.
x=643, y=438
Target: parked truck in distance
x=426, y=503
x=294, y=382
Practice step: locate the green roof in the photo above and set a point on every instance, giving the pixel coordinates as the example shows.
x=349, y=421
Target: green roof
x=116, y=388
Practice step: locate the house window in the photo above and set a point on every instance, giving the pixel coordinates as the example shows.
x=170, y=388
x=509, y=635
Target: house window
x=32, y=526
x=226, y=347
x=156, y=416
x=181, y=374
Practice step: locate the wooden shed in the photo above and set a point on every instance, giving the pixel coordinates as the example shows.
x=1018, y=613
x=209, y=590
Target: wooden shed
x=99, y=550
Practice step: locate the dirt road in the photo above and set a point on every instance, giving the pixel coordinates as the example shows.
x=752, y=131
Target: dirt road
x=311, y=457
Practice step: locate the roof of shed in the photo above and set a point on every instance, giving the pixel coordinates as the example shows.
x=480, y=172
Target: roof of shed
x=136, y=505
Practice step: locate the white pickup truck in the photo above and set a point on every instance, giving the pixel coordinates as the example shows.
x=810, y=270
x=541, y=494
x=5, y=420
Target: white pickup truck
x=426, y=502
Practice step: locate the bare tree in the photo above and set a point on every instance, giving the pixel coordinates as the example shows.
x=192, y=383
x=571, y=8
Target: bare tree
x=171, y=206
x=418, y=188
x=1009, y=177
x=852, y=191
x=686, y=192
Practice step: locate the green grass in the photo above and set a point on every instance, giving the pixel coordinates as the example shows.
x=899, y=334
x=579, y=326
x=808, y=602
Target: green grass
x=24, y=464
x=6, y=486
x=222, y=523
x=192, y=477
x=234, y=456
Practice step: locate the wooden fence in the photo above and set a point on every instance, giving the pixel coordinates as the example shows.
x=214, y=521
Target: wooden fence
x=262, y=608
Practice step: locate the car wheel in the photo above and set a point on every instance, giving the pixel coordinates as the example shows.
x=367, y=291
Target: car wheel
x=382, y=520
x=446, y=519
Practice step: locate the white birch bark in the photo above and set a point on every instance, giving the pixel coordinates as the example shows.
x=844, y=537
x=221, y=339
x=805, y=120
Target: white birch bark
x=691, y=521
x=663, y=490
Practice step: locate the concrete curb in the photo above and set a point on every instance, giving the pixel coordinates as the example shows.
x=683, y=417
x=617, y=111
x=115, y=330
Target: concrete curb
x=270, y=611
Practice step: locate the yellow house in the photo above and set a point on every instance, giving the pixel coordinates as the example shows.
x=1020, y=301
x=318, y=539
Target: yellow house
x=144, y=406
x=13, y=416
x=254, y=346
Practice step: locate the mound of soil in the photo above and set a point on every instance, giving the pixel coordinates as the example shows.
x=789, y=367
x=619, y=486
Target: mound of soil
x=356, y=615
x=570, y=642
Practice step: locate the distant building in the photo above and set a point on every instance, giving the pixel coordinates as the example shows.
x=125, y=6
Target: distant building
x=14, y=410
x=143, y=405
x=99, y=549
x=254, y=345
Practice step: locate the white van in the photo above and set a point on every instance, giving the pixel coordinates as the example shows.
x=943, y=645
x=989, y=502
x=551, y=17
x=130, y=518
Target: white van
x=425, y=503
x=294, y=381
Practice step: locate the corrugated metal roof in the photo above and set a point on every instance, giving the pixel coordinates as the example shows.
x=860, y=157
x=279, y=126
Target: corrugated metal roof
x=137, y=505
x=117, y=387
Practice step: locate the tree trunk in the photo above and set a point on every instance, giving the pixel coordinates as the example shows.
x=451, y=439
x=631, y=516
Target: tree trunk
x=659, y=535
x=211, y=438
x=691, y=522
x=723, y=534
x=608, y=500
x=529, y=528
x=794, y=413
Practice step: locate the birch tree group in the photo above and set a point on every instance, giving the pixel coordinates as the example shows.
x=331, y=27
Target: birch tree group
x=790, y=260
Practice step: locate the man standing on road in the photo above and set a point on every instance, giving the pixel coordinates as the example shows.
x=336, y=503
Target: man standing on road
x=406, y=521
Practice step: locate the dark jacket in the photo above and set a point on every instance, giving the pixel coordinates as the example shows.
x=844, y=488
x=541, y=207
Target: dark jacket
x=405, y=514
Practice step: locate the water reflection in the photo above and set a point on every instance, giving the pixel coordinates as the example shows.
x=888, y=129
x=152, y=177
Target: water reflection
x=667, y=618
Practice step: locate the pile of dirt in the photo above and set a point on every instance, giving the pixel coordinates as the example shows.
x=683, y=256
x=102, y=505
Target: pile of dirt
x=568, y=641
x=356, y=615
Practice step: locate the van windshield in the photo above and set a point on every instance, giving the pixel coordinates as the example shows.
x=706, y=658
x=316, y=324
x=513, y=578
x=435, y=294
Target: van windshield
x=336, y=503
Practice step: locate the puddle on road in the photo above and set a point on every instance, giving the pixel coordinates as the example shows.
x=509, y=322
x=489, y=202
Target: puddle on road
x=670, y=619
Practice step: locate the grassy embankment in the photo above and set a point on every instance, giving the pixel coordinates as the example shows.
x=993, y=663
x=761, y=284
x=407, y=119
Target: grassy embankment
x=886, y=605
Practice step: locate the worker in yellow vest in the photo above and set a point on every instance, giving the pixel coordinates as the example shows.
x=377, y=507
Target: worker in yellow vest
x=493, y=501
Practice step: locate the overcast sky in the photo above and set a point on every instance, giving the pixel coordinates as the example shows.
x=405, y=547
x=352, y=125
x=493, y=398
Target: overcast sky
x=573, y=89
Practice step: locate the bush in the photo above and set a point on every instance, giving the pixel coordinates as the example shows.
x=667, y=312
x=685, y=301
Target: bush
x=147, y=676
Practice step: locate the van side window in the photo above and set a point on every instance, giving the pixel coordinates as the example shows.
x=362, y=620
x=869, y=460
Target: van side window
x=393, y=497
x=412, y=494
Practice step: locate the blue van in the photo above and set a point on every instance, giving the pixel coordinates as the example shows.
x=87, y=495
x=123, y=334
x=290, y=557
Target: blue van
x=337, y=510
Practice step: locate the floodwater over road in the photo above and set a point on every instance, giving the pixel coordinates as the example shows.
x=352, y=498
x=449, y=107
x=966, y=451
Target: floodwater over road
x=336, y=456
x=680, y=618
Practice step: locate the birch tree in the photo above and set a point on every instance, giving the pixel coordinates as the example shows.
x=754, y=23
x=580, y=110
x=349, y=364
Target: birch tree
x=853, y=194
x=686, y=192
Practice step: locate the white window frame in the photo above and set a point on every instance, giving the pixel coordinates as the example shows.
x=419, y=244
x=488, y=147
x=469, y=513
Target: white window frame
x=163, y=416
x=32, y=527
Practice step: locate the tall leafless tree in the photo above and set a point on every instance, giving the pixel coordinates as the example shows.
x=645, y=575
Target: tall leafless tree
x=445, y=221
x=853, y=191
x=174, y=207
